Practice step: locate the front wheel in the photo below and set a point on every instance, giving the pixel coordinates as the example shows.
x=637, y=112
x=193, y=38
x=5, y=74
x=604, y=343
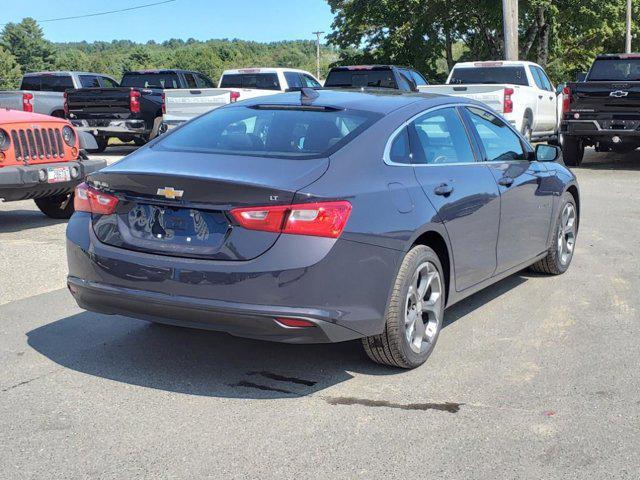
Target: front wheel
x=58, y=207
x=572, y=151
x=414, y=315
x=565, y=231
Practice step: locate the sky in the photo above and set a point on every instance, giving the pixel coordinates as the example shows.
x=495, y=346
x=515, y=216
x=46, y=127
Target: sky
x=258, y=20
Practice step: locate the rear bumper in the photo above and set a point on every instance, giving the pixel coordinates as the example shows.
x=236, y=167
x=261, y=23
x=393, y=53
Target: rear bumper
x=107, y=127
x=339, y=285
x=601, y=129
x=24, y=182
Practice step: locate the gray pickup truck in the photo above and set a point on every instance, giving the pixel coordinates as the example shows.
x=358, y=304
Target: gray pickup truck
x=43, y=92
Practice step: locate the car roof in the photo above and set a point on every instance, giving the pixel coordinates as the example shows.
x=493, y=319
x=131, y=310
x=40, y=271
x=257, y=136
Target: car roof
x=159, y=70
x=371, y=100
x=249, y=70
x=63, y=72
x=494, y=63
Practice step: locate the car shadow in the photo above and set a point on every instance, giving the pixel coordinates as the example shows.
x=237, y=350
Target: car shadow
x=12, y=221
x=611, y=161
x=205, y=363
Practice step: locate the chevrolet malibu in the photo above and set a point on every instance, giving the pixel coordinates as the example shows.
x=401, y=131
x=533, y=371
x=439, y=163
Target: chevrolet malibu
x=322, y=217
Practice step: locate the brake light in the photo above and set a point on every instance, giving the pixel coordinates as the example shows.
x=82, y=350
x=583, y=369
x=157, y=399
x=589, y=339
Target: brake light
x=508, y=103
x=88, y=199
x=566, y=99
x=134, y=101
x=27, y=106
x=323, y=219
x=234, y=96
x=66, y=105
x=164, y=104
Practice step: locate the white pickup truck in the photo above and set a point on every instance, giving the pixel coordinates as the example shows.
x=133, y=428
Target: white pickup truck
x=520, y=91
x=181, y=105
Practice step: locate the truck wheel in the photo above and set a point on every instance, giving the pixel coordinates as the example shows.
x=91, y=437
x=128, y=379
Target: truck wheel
x=102, y=142
x=156, y=128
x=139, y=141
x=526, y=129
x=414, y=315
x=572, y=151
x=59, y=206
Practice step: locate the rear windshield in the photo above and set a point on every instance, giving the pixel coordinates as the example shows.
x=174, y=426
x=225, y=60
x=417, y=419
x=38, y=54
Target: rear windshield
x=627, y=69
x=47, y=83
x=261, y=81
x=150, y=80
x=361, y=78
x=489, y=75
x=270, y=131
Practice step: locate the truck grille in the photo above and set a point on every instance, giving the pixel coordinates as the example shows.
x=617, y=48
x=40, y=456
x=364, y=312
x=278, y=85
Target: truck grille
x=34, y=143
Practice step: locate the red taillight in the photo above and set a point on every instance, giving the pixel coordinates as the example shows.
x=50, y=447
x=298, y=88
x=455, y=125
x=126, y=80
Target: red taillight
x=295, y=322
x=508, y=103
x=164, y=104
x=134, y=101
x=66, y=105
x=27, y=106
x=88, y=199
x=234, y=96
x=566, y=99
x=324, y=219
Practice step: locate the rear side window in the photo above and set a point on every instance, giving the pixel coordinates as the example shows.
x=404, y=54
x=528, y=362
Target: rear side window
x=489, y=75
x=499, y=141
x=260, y=81
x=270, y=131
x=361, y=78
x=151, y=80
x=47, y=83
x=30, y=83
x=190, y=80
x=440, y=138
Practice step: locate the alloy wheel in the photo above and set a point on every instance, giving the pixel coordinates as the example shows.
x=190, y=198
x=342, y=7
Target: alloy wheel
x=423, y=307
x=567, y=234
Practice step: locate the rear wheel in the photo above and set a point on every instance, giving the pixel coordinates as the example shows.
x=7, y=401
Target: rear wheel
x=527, y=132
x=139, y=141
x=414, y=314
x=565, y=232
x=572, y=151
x=102, y=142
x=59, y=206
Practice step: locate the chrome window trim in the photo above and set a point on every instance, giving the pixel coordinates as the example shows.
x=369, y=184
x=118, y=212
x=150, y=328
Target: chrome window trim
x=387, y=149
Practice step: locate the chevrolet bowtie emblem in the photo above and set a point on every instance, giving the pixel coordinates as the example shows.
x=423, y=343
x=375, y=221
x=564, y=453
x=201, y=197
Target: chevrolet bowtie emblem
x=170, y=193
x=618, y=94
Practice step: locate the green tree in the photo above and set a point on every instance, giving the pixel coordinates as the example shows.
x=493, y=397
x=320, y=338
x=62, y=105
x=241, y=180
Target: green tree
x=25, y=41
x=9, y=71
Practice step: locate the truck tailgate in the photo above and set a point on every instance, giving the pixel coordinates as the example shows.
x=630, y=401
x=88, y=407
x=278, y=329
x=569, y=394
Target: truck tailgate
x=185, y=104
x=491, y=95
x=605, y=97
x=94, y=102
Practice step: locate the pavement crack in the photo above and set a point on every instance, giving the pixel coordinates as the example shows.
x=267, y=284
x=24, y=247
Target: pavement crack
x=26, y=382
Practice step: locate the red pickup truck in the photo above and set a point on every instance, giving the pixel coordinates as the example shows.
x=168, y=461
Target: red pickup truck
x=42, y=158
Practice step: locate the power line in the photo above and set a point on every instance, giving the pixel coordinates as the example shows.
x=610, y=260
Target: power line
x=101, y=13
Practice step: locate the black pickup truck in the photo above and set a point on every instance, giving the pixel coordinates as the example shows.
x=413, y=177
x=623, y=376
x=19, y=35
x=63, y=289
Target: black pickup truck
x=132, y=111
x=604, y=109
x=375, y=76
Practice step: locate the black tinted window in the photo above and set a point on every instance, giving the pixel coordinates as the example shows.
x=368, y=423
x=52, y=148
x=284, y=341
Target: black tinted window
x=203, y=81
x=190, y=80
x=400, y=150
x=361, y=78
x=87, y=81
x=30, y=83
x=48, y=83
x=499, y=141
x=293, y=79
x=615, y=69
x=151, y=80
x=440, y=138
x=488, y=75
x=270, y=131
x=108, y=82
x=260, y=81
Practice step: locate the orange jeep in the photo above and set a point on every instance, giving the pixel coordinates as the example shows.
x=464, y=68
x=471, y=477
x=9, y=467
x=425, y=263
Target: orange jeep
x=42, y=158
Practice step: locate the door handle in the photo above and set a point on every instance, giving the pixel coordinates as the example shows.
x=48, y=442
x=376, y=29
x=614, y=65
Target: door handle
x=551, y=98
x=540, y=97
x=444, y=190
x=506, y=181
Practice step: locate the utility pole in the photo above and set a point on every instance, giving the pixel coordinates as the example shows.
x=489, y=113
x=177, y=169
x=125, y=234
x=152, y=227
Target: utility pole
x=510, y=20
x=627, y=47
x=317, y=34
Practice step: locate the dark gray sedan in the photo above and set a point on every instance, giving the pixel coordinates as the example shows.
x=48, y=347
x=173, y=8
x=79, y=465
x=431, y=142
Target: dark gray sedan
x=322, y=217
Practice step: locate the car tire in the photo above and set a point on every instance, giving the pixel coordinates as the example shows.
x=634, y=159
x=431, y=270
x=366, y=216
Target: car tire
x=527, y=131
x=572, y=151
x=102, y=142
x=139, y=141
x=565, y=232
x=410, y=333
x=156, y=128
x=58, y=207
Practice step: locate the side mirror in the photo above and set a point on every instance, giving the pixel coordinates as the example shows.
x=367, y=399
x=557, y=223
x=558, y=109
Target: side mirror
x=547, y=153
x=87, y=141
x=580, y=77
x=560, y=88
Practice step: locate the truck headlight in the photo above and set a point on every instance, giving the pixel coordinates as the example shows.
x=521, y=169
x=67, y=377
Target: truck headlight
x=69, y=136
x=5, y=140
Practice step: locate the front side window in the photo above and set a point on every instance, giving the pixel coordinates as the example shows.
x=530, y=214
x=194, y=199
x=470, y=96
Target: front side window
x=293, y=79
x=108, y=82
x=270, y=131
x=439, y=137
x=89, y=81
x=418, y=79
x=536, y=78
x=545, y=79
x=203, y=81
x=501, y=144
x=309, y=81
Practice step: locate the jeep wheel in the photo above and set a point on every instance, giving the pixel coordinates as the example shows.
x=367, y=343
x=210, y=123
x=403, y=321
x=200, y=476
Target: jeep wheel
x=59, y=206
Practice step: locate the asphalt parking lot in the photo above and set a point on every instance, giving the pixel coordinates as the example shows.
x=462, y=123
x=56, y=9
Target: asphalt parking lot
x=535, y=377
